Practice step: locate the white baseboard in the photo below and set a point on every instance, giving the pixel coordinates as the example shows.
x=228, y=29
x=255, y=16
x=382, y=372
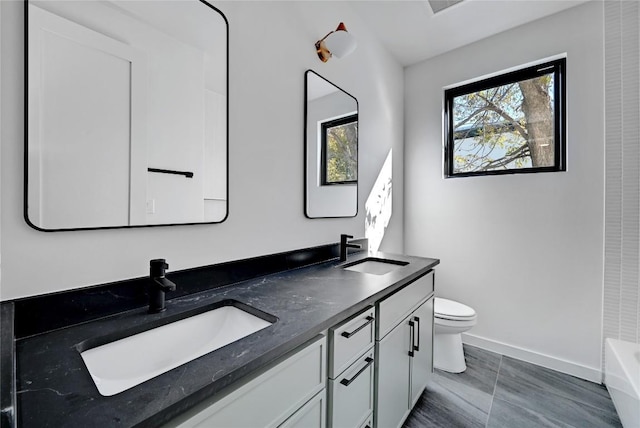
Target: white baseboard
x=583, y=372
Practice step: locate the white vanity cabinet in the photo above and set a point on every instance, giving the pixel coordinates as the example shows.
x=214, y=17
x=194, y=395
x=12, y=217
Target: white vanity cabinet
x=404, y=346
x=291, y=394
x=351, y=372
x=366, y=372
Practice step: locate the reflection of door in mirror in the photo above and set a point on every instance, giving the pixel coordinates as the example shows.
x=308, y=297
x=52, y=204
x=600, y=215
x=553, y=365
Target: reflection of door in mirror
x=331, y=150
x=127, y=114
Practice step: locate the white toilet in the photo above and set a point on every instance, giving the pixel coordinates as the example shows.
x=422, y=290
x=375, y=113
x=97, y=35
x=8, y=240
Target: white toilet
x=451, y=319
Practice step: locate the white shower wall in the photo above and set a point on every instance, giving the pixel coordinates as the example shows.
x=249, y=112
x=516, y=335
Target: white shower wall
x=622, y=209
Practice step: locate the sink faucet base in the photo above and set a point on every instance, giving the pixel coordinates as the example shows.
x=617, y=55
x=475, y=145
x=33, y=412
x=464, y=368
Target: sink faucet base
x=159, y=285
x=344, y=245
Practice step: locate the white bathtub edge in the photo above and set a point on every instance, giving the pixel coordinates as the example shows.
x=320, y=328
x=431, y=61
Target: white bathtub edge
x=622, y=379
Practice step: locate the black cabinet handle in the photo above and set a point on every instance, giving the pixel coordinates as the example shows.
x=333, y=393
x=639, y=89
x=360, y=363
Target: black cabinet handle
x=417, y=347
x=412, y=329
x=348, y=335
x=347, y=382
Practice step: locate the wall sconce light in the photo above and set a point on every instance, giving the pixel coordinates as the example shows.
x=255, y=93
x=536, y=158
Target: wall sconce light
x=338, y=43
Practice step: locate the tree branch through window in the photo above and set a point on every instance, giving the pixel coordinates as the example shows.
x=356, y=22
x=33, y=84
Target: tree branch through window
x=509, y=123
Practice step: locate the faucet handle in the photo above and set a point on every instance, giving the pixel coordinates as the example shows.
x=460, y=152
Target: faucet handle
x=157, y=267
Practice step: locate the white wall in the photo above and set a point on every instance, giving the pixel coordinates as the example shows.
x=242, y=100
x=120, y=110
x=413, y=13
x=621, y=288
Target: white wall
x=524, y=250
x=271, y=46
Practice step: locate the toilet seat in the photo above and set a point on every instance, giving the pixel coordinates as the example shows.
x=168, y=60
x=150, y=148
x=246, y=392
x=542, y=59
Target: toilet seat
x=454, y=311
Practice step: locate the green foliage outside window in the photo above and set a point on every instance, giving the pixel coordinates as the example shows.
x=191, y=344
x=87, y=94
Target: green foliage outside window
x=340, y=150
x=507, y=123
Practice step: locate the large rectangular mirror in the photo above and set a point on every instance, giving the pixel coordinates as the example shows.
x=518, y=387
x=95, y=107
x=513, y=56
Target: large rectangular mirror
x=126, y=113
x=331, y=149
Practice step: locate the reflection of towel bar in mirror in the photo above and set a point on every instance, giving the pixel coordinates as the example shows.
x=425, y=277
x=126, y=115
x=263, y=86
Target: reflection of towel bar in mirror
x=187, y=174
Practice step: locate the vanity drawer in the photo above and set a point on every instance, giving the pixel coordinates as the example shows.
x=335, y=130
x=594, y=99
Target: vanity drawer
x=393, y=309
x=351, y=394
x=349, y=340
x=268, y=400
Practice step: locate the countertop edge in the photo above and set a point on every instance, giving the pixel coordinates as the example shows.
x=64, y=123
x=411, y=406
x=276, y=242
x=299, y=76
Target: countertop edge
x=7, y=366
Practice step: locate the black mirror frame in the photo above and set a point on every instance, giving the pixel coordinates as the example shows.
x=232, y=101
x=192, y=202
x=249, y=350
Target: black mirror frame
x=306, y=150
x=26, y=141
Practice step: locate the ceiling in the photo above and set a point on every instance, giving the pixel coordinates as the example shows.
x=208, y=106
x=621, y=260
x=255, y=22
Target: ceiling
x=412, y=32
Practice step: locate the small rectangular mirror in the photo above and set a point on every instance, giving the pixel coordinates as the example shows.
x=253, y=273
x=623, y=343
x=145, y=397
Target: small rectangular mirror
x=331, y=149
x=126, y=114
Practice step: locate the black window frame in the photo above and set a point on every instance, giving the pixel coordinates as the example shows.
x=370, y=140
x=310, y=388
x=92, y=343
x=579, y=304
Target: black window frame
x=324, y=126
x=558, y=67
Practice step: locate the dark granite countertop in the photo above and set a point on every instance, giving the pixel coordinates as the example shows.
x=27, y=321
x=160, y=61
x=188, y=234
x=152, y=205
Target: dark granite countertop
x=54, y=389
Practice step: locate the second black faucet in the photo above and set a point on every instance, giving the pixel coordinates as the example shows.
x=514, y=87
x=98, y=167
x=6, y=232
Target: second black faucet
x=344, y=245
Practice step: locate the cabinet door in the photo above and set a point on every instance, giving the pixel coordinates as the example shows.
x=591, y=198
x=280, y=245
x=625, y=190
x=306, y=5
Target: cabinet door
x=368, y=423
x=311, y=415
x=269, y=399
x=393, y=377
x=422, y=360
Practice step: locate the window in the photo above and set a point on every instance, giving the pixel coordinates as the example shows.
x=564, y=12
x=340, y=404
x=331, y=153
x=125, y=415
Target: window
x=340, y=150
x=511, y=123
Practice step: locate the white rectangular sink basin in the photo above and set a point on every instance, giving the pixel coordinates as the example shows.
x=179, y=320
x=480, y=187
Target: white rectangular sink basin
x=375, y=266
x=125, y=363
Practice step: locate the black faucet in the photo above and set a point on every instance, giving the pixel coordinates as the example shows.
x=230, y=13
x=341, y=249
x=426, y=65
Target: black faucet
x=344, y=245
x=159, y=285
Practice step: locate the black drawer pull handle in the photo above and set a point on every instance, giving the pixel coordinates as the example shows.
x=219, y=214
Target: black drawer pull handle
x=348, y=335
x=417, y=347
x=412, y=330
x=347, y=382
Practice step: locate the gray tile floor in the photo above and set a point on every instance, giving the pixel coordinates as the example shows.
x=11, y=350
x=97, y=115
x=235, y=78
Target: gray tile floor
x=499, y=391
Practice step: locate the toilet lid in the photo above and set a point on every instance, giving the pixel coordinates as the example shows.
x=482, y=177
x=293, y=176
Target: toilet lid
x=449, y=309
